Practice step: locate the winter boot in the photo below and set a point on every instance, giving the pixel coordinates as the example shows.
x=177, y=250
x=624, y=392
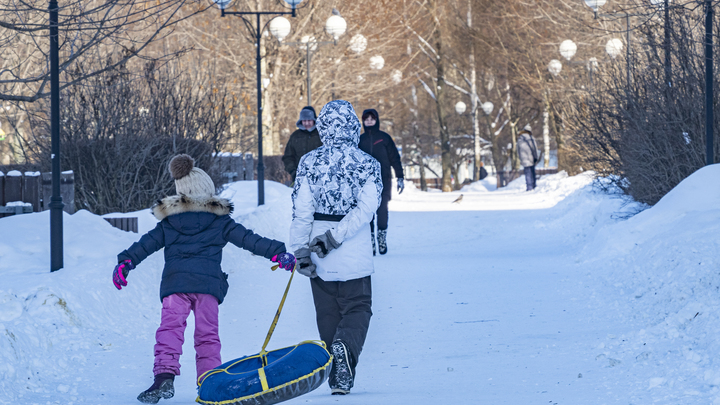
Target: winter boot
x=161, y=388
x=372, y=237
x=382, y=241
x=343, y=378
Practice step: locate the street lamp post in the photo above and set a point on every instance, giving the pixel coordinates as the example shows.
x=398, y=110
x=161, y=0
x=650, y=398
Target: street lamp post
x=56, y=204
x=666, y=44
x=709, y=82
x=595, y=6
x=487, y=108
x=336, y=27
x=665, y=5
x=285, y=28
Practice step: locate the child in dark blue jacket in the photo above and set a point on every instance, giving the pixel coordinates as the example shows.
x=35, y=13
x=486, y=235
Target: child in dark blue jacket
x=194, y=227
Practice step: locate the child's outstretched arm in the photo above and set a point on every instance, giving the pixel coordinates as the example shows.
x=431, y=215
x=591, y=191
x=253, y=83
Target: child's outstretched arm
x=148, y=244
x=244, y=238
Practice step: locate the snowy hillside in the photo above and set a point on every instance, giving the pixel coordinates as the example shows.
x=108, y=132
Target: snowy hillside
x=505, y=297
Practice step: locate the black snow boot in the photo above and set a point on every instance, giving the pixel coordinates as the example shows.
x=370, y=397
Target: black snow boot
x=382, y=241
x=161, y=388
x=342, y=379
x=372, y=237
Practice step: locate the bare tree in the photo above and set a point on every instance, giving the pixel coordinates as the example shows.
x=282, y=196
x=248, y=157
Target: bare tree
x=120, y=130
x=338, y=71
x=88, y=30
x=645, y=135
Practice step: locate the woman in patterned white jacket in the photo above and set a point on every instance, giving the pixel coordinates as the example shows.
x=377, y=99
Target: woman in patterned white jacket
x=337, y=191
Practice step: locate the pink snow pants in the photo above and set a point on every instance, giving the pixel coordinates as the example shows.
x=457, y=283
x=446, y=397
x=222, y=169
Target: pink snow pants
x=171, y=333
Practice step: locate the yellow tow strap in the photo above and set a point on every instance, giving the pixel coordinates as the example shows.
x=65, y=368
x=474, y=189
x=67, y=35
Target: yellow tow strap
x=277, y=314
x=263, y=353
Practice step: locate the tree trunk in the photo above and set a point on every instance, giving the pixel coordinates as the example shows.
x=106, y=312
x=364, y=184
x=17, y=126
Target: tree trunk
x=561, y=152
x=455, y=170
x=546, y=133
x=514, y=158
x=267, y=104
x=474, y=101
x=416, y=137
x=513, y=152
x=445, y=151
x=498, y=158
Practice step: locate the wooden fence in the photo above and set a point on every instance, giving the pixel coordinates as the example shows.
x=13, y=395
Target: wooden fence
x=238, y=166
x=235, y=166
x=35, y=188
x=127, y=224
x=431, y=182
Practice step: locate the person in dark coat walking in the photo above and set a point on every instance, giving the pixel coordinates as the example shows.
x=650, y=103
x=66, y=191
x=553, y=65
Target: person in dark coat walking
x=380, y=145
x=302, y=141
x=528, y=153
x=194, y=227
x=483, y=172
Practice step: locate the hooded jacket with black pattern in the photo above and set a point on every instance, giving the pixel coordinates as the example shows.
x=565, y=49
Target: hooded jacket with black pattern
x=193, y=233
x=337, y=179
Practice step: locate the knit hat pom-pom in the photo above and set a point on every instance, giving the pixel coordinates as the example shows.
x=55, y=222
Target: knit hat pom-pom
x=181, y=165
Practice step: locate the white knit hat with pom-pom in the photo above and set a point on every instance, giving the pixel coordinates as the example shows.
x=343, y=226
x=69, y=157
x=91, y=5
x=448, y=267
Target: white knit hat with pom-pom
x=190, y=180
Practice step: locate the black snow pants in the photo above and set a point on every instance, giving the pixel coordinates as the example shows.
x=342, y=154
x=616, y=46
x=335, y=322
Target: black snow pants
x=343, y=311
x=381, y=215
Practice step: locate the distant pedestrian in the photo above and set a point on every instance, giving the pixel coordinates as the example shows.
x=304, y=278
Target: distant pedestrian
x=336, y=192
x=194, y=227
x=482, y=171
x=528, y=153
x=302, y=141
x=381, y=146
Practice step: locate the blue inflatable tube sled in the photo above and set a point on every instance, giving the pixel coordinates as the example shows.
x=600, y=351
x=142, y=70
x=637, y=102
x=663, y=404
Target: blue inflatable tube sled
x=267, y=377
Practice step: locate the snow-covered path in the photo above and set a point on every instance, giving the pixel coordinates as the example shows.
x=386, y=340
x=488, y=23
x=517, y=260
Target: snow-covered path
x=480, y=302
x=482, y=306
x=508, y=297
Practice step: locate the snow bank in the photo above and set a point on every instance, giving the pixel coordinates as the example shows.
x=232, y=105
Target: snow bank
x=489, y=183
x=660, y=269
x=53, y=324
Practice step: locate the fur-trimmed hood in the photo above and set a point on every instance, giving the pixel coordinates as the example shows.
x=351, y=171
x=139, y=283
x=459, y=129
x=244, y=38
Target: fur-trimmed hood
x=177, y=204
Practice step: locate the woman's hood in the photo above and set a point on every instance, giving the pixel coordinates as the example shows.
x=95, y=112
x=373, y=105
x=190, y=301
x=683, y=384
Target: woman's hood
x=338, y=124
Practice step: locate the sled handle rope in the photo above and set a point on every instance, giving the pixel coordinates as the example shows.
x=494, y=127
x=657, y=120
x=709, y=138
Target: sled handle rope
x=277, y=315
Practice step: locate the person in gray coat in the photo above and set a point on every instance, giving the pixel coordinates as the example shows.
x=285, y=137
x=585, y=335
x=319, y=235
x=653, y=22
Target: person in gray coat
x=528, y=153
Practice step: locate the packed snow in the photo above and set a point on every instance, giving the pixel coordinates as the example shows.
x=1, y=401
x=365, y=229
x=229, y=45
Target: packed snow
x=562, y=295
